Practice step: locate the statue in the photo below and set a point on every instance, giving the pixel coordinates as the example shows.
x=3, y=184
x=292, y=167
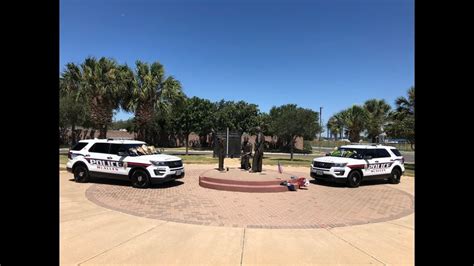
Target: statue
x=221, y=153
x=214, y=143
x=247, y=153
x=258, y=148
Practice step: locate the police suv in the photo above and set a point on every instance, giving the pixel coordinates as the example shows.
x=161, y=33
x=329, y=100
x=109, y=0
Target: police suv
x=122, y=159
x=351, y=164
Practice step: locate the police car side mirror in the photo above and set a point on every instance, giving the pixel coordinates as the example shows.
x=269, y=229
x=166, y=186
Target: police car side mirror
x=367, y=157
x=122, y=153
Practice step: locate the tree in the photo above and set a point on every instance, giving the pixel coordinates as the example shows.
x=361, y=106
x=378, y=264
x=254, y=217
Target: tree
x=289, y=122
x=224, y=116
x=196, y=115
x=240, y=116
x=245, y=116
x=151, y=92
x=71, y=112
x=335, y=126
x=102, y=84
x=377, y=115
x=354, y=121
x=402, y=120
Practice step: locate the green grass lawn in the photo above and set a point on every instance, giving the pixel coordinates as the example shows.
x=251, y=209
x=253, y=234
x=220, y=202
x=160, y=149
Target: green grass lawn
x=63, y=159
x=410, y=169
x=198, y=159
x=285, y=160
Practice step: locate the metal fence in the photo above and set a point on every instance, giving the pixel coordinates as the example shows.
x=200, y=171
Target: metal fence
x=332, y=144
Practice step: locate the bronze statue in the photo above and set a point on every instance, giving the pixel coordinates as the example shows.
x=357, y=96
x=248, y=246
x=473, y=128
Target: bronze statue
x=258, y=148
x=221, y=153
x=246, y=154
x=214, y=143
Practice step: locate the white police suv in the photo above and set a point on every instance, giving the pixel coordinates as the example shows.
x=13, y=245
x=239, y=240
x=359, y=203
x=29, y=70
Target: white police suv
x=351, y=164
x=122, y=159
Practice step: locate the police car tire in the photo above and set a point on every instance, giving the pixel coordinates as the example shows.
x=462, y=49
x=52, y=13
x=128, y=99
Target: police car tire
x=354, y=179
x=77, y=174
x=395, y=176
x=145, y=179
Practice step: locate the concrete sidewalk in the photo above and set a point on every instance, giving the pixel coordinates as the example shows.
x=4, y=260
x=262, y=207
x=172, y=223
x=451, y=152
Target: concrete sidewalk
x=94, y=235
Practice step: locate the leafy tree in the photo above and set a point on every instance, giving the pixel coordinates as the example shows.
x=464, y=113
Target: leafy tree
x=151, y=91
x=245, y=116
x=377, y=115
x=289, y=122
x=240, y=116
x=263, y=120
x=402, y=120
x=196, y=115
x=102, y=84
x=224, y=116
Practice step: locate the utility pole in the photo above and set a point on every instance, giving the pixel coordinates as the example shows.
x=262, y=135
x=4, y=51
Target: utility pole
x=320, y=126
x=320, y=121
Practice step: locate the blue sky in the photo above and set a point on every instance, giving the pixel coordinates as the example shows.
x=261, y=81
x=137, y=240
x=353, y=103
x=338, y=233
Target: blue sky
x=321, y=53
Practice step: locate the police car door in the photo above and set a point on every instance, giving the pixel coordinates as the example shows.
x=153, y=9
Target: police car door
x=379, y=164
x=117, y=161
x=385, y=161
x=97, y=158
x=371, y=160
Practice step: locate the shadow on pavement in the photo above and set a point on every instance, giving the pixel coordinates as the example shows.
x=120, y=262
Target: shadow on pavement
x=125, y=183
x=363, y=184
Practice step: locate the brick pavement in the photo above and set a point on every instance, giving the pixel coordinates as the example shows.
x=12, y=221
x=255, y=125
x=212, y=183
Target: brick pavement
x=321, y=206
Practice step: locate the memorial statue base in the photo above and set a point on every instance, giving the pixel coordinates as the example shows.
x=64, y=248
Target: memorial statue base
x=241, y=180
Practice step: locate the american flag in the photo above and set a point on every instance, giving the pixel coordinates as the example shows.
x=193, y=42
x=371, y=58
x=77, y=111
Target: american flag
x=280, y=169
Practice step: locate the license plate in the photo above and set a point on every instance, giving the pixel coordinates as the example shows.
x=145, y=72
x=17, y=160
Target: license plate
x=319, y=172
x=179, y=172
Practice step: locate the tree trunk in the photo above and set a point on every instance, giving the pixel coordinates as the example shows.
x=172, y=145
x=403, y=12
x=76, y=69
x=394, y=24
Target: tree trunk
x=92, y=133
x=73, y=134
x=187, y=143
x=103, y=132
x=292, y=144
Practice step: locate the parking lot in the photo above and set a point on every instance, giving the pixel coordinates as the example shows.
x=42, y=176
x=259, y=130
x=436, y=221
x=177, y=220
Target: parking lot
x=182, y=223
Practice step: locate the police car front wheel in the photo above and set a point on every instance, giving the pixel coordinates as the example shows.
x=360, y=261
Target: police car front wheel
x=354, y=178
x=140, y=179
x=81, y=174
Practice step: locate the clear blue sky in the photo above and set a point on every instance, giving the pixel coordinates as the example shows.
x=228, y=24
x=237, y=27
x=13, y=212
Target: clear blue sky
x=332, y=53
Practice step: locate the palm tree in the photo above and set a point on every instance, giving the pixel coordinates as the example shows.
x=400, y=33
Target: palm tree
x=402, y=122
x=334, y=126
x=406, y=106
x=100, y=83
x=354, y=120
x=377, y=115
x=151, y=92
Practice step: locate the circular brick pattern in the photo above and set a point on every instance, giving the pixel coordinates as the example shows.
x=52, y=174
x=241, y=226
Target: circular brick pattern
x=319, y=206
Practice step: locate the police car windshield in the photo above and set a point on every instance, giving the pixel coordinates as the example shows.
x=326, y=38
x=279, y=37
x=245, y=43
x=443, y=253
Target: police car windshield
x=140, y=149
x=347, y=153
